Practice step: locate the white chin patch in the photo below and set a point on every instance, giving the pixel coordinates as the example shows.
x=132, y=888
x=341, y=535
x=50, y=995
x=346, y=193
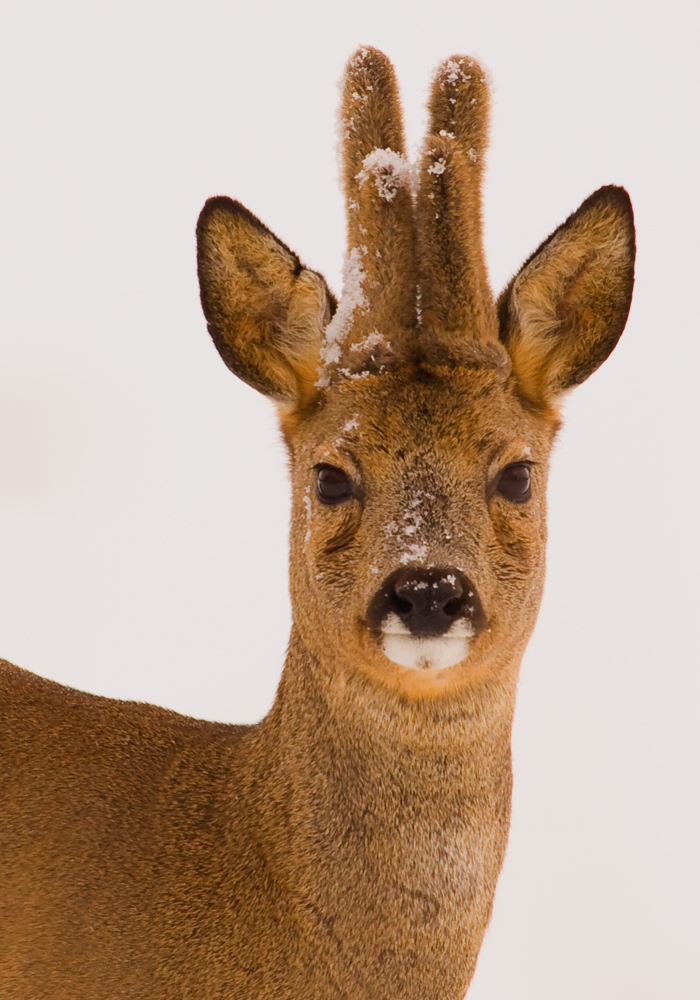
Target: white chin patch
x=425, y=654
x=438, y=653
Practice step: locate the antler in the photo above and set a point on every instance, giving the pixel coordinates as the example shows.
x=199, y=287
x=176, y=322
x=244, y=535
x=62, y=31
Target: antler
x=434, y=297
x=456, y=302
x=379, y=280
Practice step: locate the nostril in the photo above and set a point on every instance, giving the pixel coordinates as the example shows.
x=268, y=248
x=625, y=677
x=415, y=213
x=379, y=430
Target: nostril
x=453, y=607
x=401, y=605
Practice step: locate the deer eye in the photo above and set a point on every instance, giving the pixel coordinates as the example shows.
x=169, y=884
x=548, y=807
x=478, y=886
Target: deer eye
x=514, y=482
x=332, y=485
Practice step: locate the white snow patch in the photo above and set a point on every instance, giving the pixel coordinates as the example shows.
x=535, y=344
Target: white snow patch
x=373, y=339
x=453, y=72
x=409, y=529
x=353, y=424
x=353, y=298
x=307, y=505
x=416, y=552
x=390, y=171
x=359, y=57
x=438, y=167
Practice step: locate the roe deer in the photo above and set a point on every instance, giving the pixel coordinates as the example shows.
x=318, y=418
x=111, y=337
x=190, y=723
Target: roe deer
x=348, y=845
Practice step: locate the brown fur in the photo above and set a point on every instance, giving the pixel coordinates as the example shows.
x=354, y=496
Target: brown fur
x=380, y=228
x=348, y=845
x=455, y=293
x=564, y=312
x=253, y=283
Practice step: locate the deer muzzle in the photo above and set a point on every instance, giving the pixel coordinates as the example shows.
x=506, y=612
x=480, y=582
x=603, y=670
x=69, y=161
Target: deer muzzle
x=426, y=618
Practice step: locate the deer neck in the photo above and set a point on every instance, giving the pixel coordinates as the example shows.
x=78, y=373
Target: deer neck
x=384, y=820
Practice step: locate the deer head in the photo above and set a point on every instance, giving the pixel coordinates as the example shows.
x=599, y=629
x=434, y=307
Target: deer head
x=419, y=413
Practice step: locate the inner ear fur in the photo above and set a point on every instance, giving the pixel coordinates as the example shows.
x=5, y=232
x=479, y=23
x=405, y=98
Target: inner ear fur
x=265, y=311
x=564, y=312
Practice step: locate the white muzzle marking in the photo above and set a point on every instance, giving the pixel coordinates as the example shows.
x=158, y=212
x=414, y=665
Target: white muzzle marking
x=438, y=653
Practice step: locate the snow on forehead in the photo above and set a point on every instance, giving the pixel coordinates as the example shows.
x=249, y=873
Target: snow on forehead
x=349, y=430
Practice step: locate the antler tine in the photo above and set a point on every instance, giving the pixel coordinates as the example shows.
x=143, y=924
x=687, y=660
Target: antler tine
x=377, y=181
x=370, y=113
x=459, y=106
x=455, y=293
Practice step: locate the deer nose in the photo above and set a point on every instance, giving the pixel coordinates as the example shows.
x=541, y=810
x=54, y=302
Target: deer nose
x=426, y=602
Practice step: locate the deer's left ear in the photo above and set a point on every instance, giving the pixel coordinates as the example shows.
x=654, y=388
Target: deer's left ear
x=562, y=315
x=265, y=311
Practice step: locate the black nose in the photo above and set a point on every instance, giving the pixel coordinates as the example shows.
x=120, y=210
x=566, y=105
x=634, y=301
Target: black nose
x=426, y=601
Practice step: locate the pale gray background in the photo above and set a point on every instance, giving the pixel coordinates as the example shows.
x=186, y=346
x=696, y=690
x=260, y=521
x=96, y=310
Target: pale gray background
x=143, y=495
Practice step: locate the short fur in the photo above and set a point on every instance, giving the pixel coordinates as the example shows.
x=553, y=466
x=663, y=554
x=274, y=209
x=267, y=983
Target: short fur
x=455, y=293
x=265, y=310
x=347, y=846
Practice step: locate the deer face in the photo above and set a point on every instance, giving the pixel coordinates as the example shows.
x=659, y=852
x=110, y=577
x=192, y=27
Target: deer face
x=418, y=526
x=419, y=414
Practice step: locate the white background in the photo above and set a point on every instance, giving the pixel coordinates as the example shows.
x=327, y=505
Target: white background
x=143, y=495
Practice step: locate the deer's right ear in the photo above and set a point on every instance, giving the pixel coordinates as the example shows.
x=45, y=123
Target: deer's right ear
x=562, y=315
x=265, y=311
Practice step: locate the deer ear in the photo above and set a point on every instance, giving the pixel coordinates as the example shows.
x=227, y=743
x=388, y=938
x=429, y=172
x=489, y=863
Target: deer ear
x=265, y=311
x=562, y=315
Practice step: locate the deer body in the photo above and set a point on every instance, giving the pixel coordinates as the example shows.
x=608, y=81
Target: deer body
x=299, y=857
x=349, y=844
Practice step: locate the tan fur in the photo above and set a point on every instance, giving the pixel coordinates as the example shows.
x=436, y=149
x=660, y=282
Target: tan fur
x=565, y=310
x=347, y=846
x=378, y=200
x=455, y=293
x=266, y=312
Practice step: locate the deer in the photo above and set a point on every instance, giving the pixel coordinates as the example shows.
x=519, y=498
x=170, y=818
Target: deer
x=349, y=844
